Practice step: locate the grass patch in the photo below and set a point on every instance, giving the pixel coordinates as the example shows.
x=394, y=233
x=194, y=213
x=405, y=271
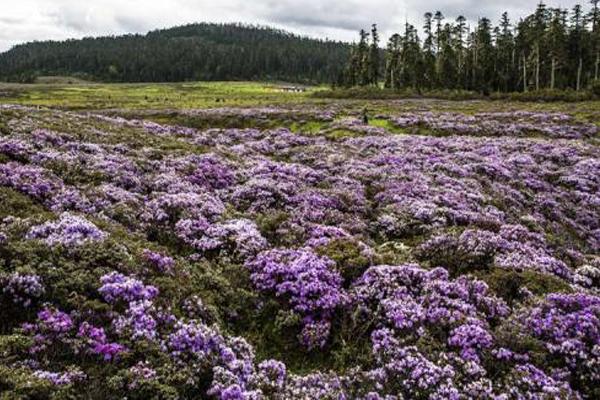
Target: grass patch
x=188, y=95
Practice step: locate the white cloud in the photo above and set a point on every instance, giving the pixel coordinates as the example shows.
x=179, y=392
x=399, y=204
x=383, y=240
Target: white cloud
x=28, y=20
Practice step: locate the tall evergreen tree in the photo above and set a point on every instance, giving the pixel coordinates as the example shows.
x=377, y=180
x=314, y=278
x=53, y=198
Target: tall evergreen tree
x=540, y=19
x=505, y=44
x=393, y=53
x=429, y=58
x=448, y=68
x=595, y=20
x=439, y=18
x=374, y=63
x=363, y=59
x=460, y=32
x=551, y=48
x=576, y=44
x=556, y=38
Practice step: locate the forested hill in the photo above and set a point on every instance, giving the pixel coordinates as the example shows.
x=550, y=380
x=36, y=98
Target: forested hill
x=191, y=52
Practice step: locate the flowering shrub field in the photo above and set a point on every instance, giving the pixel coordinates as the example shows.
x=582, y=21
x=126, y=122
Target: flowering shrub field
x=299, y=253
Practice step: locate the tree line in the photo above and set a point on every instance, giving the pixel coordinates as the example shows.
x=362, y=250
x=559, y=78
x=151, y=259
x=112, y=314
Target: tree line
x=553, y=48
x=191, y=52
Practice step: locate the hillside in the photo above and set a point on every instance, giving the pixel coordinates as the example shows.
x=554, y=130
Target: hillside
x=191, y=52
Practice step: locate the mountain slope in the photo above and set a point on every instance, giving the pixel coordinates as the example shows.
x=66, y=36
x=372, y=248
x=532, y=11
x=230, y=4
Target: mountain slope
x=191, y=52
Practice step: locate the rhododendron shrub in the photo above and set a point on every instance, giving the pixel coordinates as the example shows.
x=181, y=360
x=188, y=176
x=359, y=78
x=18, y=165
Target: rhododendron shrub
x=300, y=253
x=306, y=282
x=22, y=289
x=569, y=327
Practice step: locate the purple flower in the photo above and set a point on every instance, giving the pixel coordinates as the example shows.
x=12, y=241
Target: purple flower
x=22, y=289
x=61, y=379
x=118, y=287
x=69, y=231
x=159, y=261
x=306, y=281
x=96, y=341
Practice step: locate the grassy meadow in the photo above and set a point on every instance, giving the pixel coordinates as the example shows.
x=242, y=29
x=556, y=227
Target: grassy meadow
x=76, y=95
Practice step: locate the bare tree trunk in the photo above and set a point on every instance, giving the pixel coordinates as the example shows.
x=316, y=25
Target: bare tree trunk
x=512, y=69
x=597, y=65
x=460, y=66
x=524, y=74
x=579, y=73
x=553, y=75
x=473, y=78
x=537, y=67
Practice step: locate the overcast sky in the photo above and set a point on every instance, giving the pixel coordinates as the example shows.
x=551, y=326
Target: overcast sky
x=26, y=20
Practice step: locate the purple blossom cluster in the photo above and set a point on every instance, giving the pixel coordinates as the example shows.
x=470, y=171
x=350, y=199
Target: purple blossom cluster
x=96, y=342
x=40, y=184
x=141, y=372
x=60, y=378
x=307, y=282
x=52, y=326
x=518, y=123
x=514, y=247
x=235, y=236
x=69, y=231
x=414, y=303
x=118, y=287
x=22, y=289
x=569, y=326
x=161, y=262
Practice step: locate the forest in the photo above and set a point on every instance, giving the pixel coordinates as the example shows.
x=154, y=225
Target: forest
x=553, y=48
x=210, y=52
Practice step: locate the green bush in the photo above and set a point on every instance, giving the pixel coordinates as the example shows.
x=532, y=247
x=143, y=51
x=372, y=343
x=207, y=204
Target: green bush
x=545, y=95
x=349, y=258
x=375, y=93
x=507, y=283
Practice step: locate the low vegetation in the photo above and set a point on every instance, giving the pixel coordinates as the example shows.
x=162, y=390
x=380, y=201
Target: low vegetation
x=306, y=249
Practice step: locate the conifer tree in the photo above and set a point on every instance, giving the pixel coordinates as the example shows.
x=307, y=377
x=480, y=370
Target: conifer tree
x=595, y=20
x=556, y=38
x=363, y=59
x=374, y=63
x=392, y=61
x=551, y=48
x=429, y=58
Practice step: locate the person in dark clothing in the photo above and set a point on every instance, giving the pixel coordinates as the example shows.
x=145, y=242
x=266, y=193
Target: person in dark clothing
x=365, y=116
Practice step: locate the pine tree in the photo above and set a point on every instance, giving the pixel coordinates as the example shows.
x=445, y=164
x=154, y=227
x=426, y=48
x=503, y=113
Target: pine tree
x=374, y=63
x=460, y=32
x=429, y=58
x=539, y=28
x=412, y=62
x=505, y=43
x=556, y=38
x=448, y=69
x=484, y=60
x=363, y=59
x=393, y=52
x=595, y=20
x=576, y=43
x=439, y=18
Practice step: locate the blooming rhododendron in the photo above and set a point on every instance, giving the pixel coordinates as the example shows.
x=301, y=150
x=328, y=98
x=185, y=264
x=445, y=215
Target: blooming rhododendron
x=299, y=252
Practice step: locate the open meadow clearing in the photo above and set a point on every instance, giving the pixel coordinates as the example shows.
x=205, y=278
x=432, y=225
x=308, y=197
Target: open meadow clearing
x=237, y=241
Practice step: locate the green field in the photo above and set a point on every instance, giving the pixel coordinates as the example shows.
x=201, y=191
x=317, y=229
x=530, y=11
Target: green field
x=73, y=94
x=81, y=95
